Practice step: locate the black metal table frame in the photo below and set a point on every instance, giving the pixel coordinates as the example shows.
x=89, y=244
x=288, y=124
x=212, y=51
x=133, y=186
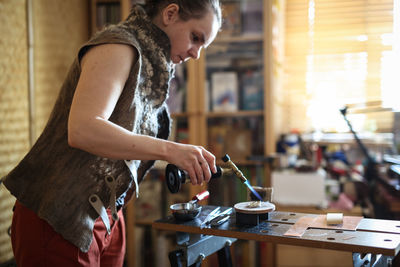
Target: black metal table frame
x=375, y=243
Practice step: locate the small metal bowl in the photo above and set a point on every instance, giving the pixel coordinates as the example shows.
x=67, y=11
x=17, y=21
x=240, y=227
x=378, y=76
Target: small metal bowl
x=185, y=211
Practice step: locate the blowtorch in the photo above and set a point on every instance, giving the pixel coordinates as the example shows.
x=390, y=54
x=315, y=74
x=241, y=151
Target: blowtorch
x=175, y=177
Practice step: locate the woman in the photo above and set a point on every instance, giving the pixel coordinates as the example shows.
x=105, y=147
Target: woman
x=108, y=125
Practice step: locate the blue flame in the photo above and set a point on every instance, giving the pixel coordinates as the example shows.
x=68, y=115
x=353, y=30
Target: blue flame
x=252, y=190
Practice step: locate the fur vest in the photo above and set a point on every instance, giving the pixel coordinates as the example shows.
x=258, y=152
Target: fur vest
x=55, y=180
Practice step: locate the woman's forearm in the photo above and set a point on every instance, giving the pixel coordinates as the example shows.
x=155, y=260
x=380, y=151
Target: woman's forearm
x=104, y=138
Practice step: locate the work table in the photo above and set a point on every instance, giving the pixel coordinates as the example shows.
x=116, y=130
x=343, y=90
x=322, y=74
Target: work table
x=377, y=241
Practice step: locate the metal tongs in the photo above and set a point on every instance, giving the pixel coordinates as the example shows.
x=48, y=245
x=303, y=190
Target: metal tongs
x=216, y=218
x=210, y=216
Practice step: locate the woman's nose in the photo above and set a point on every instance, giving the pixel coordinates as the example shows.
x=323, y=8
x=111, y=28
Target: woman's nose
x=194, y=52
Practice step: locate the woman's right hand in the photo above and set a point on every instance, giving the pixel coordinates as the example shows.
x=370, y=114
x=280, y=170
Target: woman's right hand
x=195, y=160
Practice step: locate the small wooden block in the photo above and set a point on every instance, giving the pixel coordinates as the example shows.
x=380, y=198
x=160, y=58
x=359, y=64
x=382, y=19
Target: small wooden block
x=265, y=207
x=334, y=218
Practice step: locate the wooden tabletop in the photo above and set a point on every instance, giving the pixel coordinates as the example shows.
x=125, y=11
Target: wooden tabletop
x=372, y=235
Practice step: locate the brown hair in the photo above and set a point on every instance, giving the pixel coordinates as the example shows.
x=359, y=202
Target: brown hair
x=188, y=9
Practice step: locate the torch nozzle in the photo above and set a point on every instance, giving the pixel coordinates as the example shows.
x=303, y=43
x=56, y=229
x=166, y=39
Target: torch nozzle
x=234, y=168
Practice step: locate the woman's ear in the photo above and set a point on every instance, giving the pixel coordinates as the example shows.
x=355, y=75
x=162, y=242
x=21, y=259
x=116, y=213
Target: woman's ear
x=170, y=14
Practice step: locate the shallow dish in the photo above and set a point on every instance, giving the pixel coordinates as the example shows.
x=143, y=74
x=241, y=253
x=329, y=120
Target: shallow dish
x=185, y=211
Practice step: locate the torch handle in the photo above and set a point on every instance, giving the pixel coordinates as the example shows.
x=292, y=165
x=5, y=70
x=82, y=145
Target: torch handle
x=175, y=177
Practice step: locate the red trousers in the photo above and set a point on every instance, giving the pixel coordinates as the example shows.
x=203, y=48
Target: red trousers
x=35, y=243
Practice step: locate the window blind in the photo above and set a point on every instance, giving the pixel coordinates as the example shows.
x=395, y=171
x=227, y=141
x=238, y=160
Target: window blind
x=341, y=52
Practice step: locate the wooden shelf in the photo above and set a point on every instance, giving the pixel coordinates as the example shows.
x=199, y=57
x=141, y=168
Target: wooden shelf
x=212, y=114
x=241, y=113
x=107, y=1
x=376, y=139
x=143, y=222
x=240, y=38
x=124, y=6
x=241, y=162
x=179, y=115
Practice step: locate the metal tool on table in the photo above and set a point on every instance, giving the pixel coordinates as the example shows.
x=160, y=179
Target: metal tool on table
x=189, y=210
x=215, y=217
x=221, y=217
x=210, y=215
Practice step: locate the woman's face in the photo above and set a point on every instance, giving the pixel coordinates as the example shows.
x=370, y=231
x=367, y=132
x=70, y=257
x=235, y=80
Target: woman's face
x=188, y=37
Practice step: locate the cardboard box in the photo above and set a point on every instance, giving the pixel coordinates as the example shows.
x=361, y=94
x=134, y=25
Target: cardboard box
x=299, y=189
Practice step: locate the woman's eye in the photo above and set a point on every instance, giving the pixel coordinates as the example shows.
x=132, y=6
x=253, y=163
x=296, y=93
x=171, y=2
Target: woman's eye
x=195, y=38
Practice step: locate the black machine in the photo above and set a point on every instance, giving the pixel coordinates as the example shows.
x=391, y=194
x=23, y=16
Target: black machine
x=371, y=172
x=374, y=178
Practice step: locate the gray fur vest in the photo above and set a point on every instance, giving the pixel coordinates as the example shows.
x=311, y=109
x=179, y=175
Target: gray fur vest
x=55, y=180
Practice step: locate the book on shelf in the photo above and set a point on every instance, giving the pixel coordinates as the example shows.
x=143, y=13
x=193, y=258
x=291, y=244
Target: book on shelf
x=207, y=96
x=216, y=139
x=107, y=13
x=260, y=177
x=231, y=24
x=238, y=143
x=179, y=131
x=218, y=62
x=224, y=91
x=251, y=62
x=182, y=135
x=177, y=91
x=252, y=97
x=235, y=50
x=240, y=191
x=173, y=132
x=252, y=17
x=148, y=205
x=175, y=96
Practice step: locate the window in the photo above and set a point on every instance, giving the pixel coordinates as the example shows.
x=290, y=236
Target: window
x=342, y=52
